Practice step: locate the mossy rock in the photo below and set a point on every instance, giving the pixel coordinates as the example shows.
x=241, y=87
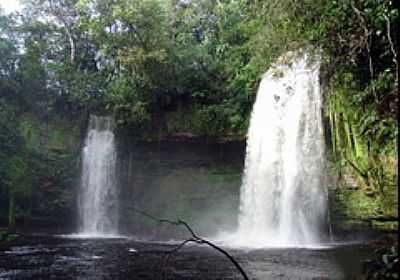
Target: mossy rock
x=354, y=207
x=390, y=226
x=3, y=235
x=12, y=237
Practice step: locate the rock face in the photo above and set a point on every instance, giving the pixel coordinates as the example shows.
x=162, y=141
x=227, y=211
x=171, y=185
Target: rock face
x=194, y=180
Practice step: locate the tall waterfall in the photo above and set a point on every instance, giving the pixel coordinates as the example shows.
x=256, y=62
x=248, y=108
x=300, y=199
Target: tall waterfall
x=98, y=204
x=283, y=194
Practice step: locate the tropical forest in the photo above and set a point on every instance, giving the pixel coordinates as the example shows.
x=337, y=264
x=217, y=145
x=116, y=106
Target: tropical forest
x=199, y=139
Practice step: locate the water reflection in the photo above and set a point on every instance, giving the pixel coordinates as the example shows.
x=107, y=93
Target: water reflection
x=61, y=258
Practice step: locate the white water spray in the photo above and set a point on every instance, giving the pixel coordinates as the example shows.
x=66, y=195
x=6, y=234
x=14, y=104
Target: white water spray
x=283, y=194
x=98, y=204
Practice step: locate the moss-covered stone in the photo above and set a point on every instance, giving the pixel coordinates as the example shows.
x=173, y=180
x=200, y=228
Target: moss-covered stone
x=354, y=207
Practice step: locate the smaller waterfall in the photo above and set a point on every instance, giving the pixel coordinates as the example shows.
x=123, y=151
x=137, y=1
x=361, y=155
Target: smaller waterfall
x=283, y=194
x=98, y=204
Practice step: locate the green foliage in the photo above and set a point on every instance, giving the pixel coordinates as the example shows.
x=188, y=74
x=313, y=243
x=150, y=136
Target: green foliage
x=13, y=168
x=356, y=204
x=139, y=59
x=159, y=55
x=130, y=108
x=7, y=237
x=35, y=169
x=194, y=67
x=210, y=121
x=12, y=237
x=215, y=120
x=3, y=235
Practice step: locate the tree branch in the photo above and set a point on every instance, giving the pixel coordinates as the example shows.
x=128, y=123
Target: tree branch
x=368, y=43
x=194, y=239
x=67, y=28
x=362, y=174
x=392, y=47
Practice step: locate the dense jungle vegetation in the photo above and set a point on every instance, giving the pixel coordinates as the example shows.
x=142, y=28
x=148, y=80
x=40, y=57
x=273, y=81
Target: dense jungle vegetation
x=165, y=67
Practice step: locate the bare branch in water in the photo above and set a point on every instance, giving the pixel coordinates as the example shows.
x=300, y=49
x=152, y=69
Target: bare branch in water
x=194, y=239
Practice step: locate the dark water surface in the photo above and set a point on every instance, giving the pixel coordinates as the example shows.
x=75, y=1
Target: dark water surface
x=50, y=257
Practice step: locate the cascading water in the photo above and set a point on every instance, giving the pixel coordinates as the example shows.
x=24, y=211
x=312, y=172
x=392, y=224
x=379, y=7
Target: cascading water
x=283, y=194
x=98, y=204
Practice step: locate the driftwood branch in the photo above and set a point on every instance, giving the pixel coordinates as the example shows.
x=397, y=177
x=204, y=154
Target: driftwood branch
x=194, y=238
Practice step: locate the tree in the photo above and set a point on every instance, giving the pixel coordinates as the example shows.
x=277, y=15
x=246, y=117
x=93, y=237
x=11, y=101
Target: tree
x=12, y=166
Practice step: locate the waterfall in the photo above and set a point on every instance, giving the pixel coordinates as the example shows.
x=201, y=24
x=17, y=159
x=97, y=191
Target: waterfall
x=98, y=204
x=283, y=199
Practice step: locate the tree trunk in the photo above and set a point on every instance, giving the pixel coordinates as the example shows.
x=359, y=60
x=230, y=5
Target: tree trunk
x=71, y=45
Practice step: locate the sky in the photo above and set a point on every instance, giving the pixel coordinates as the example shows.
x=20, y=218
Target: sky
x=10, y=6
